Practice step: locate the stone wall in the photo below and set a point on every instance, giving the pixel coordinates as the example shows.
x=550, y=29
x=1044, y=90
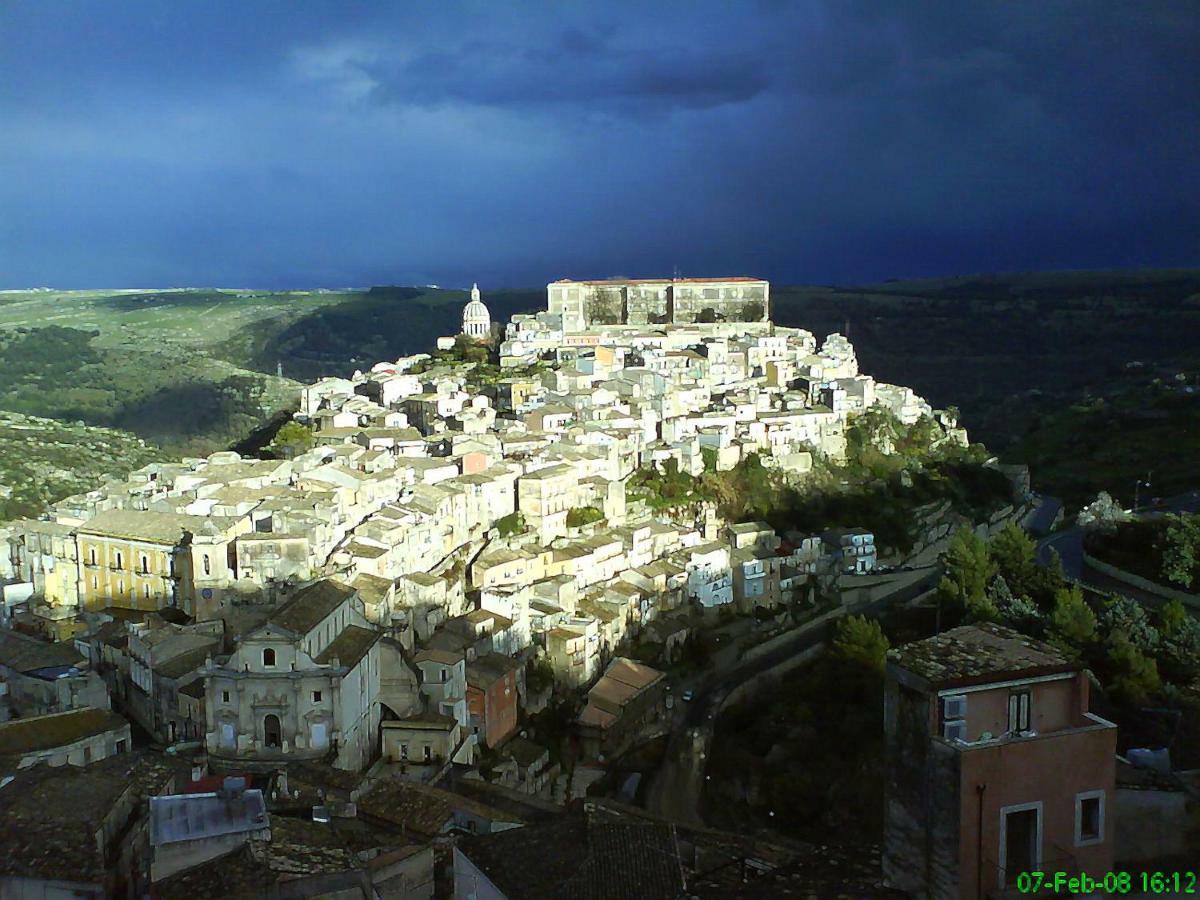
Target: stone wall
x=921, y=806
x=1153, y=825
x=1142, y=584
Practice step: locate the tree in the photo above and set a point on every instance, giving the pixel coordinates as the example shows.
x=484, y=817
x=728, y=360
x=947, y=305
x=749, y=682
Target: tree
x=969, y=569
x=861, y=641
x=1135, y=676
x=291, y=440
x=1121, y=614
x=1172, y=617
x=920, y=438
x=875, y=428
x=1046, y=582
x=1072, y=623
x=1181, y=549
x=1018, y=612
x=583, y=515
x=1179, y=651
x=513, y=523
x=1013, y=553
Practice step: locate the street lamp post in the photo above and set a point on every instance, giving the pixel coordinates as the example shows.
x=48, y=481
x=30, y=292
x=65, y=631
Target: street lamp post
x=1137, y=486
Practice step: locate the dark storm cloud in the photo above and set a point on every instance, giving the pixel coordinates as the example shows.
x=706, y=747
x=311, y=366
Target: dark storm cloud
x=813, y=141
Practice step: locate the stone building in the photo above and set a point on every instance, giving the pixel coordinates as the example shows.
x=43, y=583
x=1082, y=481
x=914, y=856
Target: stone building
x=477, y=321
x=627, y=700
x=305, y=685
x=77, y=737
x=658, y=301
x=994, y=765
x=144, y=559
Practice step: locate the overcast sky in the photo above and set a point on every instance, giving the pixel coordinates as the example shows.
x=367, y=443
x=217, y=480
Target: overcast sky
x=303, y=144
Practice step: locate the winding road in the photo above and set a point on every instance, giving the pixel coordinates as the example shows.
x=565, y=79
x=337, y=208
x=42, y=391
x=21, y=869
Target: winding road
x=1068, y=543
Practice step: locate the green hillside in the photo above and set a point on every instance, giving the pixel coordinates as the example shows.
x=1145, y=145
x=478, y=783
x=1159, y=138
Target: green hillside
x=1007, y=349
x=192, y=371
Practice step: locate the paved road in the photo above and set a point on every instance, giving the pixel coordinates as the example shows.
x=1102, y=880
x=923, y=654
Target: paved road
x=675, y=789
x=1069, y=545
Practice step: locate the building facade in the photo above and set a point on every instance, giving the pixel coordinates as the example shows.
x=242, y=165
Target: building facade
x=658, y=301
x=995, y=767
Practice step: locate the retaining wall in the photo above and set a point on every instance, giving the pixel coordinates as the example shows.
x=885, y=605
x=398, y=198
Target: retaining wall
x=1142, y=584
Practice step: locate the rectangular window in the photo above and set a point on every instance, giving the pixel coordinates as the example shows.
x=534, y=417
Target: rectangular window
x=121, y=746
x=1089, y=818
x=316, y=696
x=954, y=718
x=955, y=730
x=1018, y=712
x=224, y=696
x=404, y=751
x=428, y=753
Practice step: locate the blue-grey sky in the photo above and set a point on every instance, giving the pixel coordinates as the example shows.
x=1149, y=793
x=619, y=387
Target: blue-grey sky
x=347, y=143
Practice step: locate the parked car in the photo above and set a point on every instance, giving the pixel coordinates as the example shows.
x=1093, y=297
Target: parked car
x=688, y=694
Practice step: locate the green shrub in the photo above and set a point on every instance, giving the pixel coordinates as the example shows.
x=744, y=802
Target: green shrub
x=583, y=515
x=513, y=523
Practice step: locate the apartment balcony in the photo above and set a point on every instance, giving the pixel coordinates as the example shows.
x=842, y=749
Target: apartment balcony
x=1085, y=726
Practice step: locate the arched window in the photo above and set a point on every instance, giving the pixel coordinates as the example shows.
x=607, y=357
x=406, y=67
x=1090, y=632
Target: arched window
x=269, y=658
x=207, y=565
x=146, y=591
x=120, y=560
x=145, y=565
x=92, y=556
x=272, y=732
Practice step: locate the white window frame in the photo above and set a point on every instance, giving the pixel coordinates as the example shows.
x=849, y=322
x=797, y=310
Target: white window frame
x=955, y=725
x=1014, y=721
x=1003, y=850
x=1080, y=840
x=949, y=702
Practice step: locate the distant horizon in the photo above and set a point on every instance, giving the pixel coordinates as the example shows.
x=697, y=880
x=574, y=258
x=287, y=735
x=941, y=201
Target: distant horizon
x=484, y=289
x=823, y=142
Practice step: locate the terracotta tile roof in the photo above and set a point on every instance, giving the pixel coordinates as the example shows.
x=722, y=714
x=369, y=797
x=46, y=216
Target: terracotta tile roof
x=421, y=810
x=972, y=654
x=36, y=733
x=152, y=526
x=581, y=858
x=27, y=654
x=309, y=605
x=444, y=657
x=349, y=647
x=48, y=815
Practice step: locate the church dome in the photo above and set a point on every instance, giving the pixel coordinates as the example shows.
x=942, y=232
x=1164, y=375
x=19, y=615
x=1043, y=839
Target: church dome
x=477, y=321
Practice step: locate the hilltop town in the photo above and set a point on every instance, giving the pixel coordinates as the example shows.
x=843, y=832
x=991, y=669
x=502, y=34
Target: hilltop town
x=442, y=548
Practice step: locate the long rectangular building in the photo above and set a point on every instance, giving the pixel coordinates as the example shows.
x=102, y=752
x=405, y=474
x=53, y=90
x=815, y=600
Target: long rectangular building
x=658, y=301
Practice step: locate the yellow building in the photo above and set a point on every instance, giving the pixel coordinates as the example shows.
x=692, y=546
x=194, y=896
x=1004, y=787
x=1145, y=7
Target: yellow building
x=148, y=560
